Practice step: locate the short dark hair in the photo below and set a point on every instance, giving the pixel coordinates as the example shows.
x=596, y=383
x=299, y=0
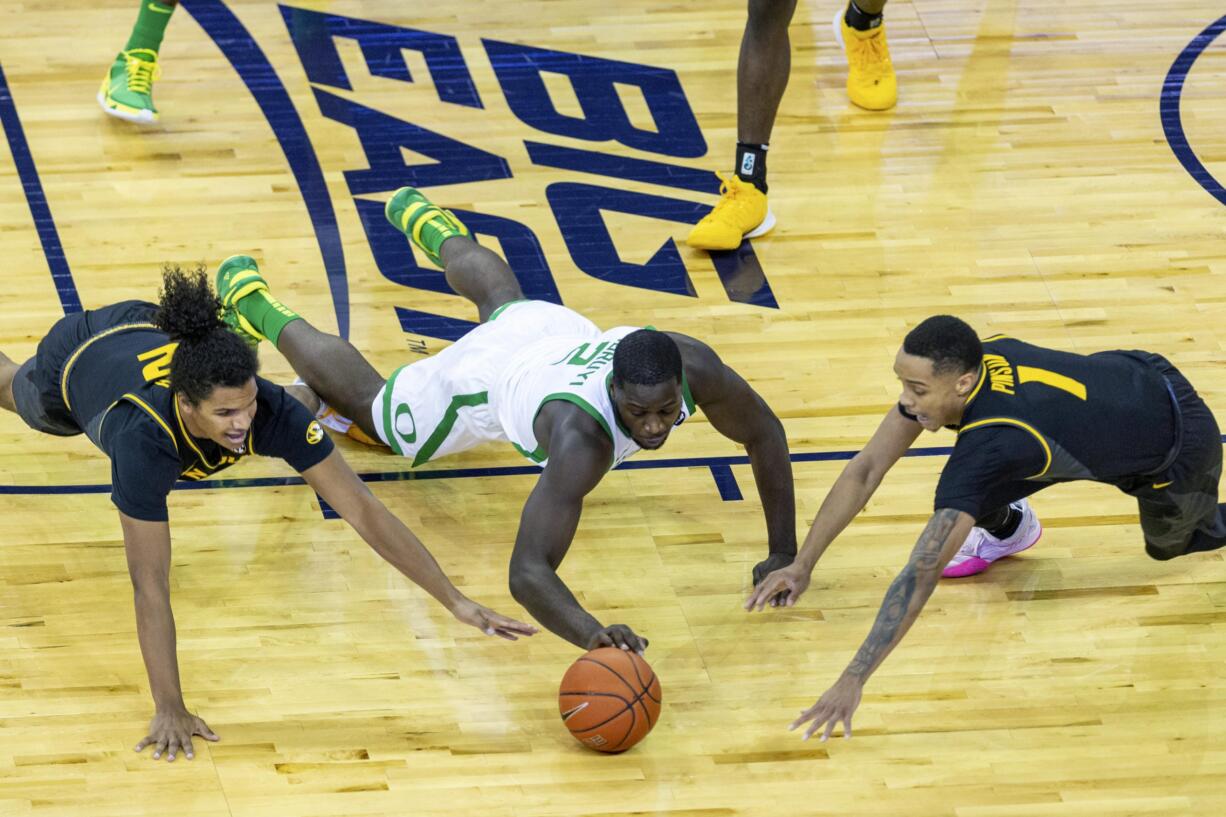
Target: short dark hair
x=949, y=342
x=209, y=354
x=646, y=357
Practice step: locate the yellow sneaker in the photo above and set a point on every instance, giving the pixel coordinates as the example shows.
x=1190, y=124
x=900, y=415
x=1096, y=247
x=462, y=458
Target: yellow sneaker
x=871, y=83
x=740, y=213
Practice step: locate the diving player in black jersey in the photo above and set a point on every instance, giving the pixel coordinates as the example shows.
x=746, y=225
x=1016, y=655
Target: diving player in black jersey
x=168, y=392
x=1026, y=417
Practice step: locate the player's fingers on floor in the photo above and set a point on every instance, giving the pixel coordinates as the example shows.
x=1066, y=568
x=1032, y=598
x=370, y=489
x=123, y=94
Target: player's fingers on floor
x=513, y=626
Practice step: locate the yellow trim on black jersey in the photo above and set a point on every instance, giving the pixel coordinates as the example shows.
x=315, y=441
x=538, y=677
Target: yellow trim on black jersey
x=154, y=415
x=996, y=337
x=1019, y=424
x=187, y=436
x=72, y=359
x=983, y=376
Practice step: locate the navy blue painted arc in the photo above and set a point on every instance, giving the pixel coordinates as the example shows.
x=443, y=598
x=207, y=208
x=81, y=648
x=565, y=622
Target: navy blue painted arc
x=261, y=79
x=40, y=211
x=1169, y=109
x=464, y=473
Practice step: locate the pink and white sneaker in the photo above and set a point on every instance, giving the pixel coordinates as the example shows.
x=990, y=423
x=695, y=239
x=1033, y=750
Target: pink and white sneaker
x=982, y=548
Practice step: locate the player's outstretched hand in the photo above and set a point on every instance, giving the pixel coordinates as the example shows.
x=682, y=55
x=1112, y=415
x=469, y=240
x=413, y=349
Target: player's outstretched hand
x=620, y=636
x=781, y=588
x=837, y=704
x=171, y=732
x=491, y=623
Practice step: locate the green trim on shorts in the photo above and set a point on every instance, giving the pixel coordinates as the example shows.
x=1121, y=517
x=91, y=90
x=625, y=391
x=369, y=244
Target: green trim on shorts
x=389, y=429
x=538, y=456
x=500, y=309
x=439, y=435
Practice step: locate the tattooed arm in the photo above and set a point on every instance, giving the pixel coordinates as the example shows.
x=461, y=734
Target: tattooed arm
x=945, y=533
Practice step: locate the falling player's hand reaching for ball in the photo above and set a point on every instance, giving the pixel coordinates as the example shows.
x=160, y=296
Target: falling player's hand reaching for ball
x=780, y=588
x=489, y=622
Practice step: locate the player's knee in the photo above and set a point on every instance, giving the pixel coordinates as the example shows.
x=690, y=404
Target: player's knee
x=1163, y=554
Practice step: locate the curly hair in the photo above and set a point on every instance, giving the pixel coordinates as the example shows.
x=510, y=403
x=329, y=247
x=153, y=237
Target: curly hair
x=209, y=354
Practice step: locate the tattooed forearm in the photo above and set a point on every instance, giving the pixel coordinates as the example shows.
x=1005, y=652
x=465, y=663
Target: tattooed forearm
x=917, y=579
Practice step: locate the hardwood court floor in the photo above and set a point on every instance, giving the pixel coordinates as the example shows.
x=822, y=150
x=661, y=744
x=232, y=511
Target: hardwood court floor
x=1024, y=182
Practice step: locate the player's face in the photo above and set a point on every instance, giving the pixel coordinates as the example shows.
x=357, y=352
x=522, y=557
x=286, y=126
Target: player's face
x=936, y=399
x=648, y=412
x=225, y=416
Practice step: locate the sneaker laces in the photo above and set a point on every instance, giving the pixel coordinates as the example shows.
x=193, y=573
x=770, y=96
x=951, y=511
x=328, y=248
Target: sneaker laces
x=141, y=72
x=731, y=192
x=870, y=56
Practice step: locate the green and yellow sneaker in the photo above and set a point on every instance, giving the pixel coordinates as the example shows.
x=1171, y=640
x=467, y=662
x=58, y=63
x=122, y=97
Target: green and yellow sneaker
x=127, y=89
x=237, y=277
x=426, y=224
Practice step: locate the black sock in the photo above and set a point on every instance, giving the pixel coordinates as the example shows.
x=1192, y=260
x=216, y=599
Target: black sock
x=1003, y=523
x=859, y=20
x=751, y=164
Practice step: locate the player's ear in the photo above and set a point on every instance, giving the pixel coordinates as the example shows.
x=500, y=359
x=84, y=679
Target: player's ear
x=185, y=405
x=966, y=382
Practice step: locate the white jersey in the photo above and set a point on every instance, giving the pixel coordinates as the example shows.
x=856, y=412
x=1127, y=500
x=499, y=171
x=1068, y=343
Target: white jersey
x=575, y=370
x=490, y=384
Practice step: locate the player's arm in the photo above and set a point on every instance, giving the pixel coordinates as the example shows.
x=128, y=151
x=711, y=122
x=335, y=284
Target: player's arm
x=335, y=481
x=847, y=497
x=740, y=414
x=577, y=463
x=147, y=545
x=908, y=593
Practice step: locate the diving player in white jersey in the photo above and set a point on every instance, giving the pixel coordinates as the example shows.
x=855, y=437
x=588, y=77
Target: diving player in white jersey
x=573, y=399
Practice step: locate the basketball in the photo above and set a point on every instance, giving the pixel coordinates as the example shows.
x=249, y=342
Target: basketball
x=610, y=699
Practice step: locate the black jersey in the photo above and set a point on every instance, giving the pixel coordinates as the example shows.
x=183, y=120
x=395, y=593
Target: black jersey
x=1041, y=416
x=114, y=382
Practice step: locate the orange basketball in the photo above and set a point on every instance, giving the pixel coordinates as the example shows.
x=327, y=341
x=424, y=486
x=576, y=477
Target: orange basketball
x=610, y=699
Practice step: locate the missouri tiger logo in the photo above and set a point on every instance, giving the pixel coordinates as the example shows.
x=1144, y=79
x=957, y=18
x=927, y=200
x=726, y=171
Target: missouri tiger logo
x=314, y=432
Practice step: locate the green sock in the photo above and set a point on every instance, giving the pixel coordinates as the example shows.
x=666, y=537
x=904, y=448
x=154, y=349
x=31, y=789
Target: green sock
x=266, y=314
x=150, y=26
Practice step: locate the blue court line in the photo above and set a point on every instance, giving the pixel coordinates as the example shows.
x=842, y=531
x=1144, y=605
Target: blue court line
x=261, y=79
x=1169, y=109
x=716, y=464
x=44, y=224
